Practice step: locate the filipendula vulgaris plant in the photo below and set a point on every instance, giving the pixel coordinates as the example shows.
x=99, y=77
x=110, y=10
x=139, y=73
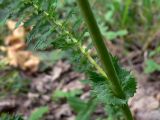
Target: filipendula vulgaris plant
x=50, y=28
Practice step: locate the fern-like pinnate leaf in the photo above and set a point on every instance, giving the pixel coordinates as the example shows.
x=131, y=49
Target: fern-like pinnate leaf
x=101, y=88
x=127, y=80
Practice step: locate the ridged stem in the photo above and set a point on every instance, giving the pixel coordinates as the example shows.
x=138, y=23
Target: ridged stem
x=100, y=46
x=103, y=53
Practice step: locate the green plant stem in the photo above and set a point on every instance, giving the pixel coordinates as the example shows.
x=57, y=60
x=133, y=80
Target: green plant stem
x=127, y=112
x=103, y=53
x=125, y=14
x=100, y=47
x=92, y=61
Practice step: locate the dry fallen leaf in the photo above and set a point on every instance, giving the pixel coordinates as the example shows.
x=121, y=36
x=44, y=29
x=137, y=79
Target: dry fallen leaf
x=32, y=63
x=15, y=43
x=23, y=59
x=11, y=25
x=15, y=46
x=3, y=49
x=19, y=32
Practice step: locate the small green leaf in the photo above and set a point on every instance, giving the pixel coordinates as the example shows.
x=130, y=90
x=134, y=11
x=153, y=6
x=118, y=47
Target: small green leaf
x=85, y=113
x=151, y=66
x=102, y=90
x=77, y=104
x=60, y=94
x=38, y=113
x=127, y=80
x=109, y=16
x=113, y=35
